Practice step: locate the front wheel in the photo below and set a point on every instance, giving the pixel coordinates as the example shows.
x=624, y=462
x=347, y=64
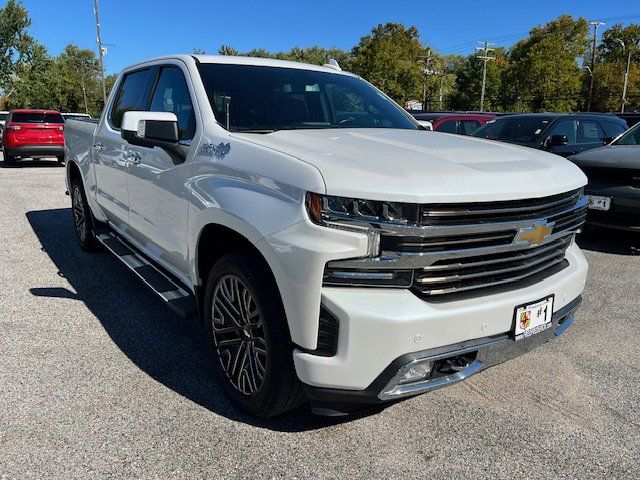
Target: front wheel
x=82, y=218
x=247, y=329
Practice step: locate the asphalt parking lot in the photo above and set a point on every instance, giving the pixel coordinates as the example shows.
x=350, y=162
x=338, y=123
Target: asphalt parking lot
x=98, y=379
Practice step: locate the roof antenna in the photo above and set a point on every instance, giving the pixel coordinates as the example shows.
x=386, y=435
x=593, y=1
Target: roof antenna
x=333, y=63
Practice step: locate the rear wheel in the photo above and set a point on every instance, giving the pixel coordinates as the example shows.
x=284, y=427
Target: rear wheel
x=247, y=328
x=9, y=159
x=82, y=217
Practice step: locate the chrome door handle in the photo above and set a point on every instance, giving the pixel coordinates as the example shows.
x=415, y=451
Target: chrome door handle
x=134, y=157
x=98, y=146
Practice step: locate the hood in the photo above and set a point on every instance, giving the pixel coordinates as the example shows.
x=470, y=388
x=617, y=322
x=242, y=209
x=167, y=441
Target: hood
x=614, y=156
x=424, y=167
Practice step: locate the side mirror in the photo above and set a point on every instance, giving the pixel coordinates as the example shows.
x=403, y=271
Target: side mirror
x=154, y=129
x=608, y=140
x=557, y=141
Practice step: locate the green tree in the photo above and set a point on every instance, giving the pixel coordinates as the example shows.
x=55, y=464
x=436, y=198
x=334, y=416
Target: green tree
x=469, y=83
x=16, y=46
x=79, y=87
x=390, y=58
x=544, y=71
x=33, y=85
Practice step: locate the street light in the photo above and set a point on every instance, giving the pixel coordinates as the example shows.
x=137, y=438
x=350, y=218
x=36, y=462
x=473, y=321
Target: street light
x=626, y=73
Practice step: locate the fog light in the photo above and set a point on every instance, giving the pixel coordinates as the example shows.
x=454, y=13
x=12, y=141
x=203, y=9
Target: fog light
x=417, y=373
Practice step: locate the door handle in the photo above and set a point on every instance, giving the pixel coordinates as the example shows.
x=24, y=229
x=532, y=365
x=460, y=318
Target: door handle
x=134, y=157
x=98, y=147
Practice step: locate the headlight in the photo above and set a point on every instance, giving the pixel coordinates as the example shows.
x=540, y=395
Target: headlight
x=367, y=217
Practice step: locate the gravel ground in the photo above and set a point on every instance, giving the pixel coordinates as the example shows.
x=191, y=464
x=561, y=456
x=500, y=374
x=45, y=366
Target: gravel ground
x=98, y=379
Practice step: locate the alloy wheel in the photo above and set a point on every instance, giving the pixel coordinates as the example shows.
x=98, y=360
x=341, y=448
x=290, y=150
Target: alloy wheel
x=239, y=335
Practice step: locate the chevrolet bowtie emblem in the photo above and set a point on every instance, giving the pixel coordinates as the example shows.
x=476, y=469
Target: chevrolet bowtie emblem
x=536, y=234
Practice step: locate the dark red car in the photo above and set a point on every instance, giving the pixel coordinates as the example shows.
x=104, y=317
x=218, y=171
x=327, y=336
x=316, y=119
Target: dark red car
x=455, y=122
x=33, y=134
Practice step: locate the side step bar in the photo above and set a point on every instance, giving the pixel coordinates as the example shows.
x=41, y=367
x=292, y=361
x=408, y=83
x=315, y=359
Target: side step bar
x=175, y=296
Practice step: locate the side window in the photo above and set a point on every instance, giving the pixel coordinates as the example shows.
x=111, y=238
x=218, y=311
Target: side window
x=565, y=127
x=448, y=126
x=172, y=95
x=589, y=131
x=467, y=127
x=613, y=129
x=131, y=96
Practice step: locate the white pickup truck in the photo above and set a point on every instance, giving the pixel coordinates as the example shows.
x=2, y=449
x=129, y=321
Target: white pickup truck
x=334, y=250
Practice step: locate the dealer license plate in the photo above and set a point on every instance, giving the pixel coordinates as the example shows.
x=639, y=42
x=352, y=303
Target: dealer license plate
x=533, y=318
x=597, y=202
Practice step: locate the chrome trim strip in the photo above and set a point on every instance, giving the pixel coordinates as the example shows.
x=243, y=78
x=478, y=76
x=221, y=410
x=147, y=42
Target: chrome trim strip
x=491, y=351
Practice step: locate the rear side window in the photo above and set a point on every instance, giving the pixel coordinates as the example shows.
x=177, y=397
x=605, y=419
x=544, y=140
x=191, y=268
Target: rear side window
x=467, y=127
x=590, y=132
x=448, y=127
x=565, y=127
x=172, y=95
x=614, y=129
x=20, y=117
x=132, y=96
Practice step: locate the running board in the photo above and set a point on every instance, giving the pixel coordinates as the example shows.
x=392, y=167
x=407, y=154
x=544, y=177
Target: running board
x=176, y=297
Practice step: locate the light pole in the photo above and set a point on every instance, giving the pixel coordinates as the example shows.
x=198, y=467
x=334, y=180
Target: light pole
x=626, y=73
x=596, y=25
x=101, y=50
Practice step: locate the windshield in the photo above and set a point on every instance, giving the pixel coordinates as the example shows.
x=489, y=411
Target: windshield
x=259, y=99
x=517, y=130
x=36, y=117
x=632, y=137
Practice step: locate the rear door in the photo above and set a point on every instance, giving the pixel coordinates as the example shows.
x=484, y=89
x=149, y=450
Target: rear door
x=158, y=188
x=38, y=128
x=110, y=151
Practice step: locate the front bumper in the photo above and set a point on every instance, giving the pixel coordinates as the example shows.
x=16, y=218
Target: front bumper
x=625, y=208
x=31, y=151
x=482, y=354
x=379, y=325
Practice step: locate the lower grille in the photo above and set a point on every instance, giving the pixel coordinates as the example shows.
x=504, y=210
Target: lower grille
x=462, y=274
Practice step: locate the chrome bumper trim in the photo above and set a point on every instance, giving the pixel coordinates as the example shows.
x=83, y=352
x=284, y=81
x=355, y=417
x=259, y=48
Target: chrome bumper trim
x=490, y=352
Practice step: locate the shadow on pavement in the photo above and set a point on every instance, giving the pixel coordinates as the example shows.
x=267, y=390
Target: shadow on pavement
x=171, y=350
x=34, y=163
x=609, y=241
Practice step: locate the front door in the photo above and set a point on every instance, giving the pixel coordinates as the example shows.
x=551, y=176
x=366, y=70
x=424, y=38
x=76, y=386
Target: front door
x=158, y=191
x=110, y=150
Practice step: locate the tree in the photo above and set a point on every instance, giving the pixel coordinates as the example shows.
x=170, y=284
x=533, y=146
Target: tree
x=544, y=70
x=390, y=58
x=33, y=83
x=16, y=46
x=469, y=83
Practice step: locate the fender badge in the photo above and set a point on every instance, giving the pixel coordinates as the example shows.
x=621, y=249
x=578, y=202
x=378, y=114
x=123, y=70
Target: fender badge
x=217, y=151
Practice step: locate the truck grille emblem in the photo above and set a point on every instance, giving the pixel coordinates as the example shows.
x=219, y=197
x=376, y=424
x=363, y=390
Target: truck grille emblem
x=536, y=234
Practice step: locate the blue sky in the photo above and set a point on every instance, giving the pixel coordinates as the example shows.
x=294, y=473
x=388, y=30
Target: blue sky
x=139, y=29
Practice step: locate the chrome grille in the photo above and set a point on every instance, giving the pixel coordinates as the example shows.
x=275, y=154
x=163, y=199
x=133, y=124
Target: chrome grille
x=458, y=248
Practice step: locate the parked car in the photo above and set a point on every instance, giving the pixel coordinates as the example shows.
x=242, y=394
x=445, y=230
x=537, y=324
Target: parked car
x=33, y=134
x=614, y=182
x=76, y=116
x=631, y=118
x=562, y=134
x=333, y=250
x=461, y=123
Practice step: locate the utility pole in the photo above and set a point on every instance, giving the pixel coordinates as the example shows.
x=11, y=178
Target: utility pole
x=596, y=25
x=440, y=96
x=425, y=72
x=626, y=73
x=101, y=50
x=485, y=48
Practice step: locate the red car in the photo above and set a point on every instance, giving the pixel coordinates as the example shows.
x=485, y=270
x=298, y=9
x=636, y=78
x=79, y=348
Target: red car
x=33, y=134
x=461, y=123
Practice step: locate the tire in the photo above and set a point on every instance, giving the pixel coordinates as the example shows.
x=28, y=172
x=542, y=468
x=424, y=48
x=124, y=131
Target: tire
x=82, y=218
x=262, y=346
x=9, y=159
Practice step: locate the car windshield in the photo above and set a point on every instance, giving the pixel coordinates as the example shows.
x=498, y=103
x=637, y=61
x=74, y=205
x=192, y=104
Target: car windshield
x=631, y=137
x=35, y=117
x=259, y=99
x=517, y=130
